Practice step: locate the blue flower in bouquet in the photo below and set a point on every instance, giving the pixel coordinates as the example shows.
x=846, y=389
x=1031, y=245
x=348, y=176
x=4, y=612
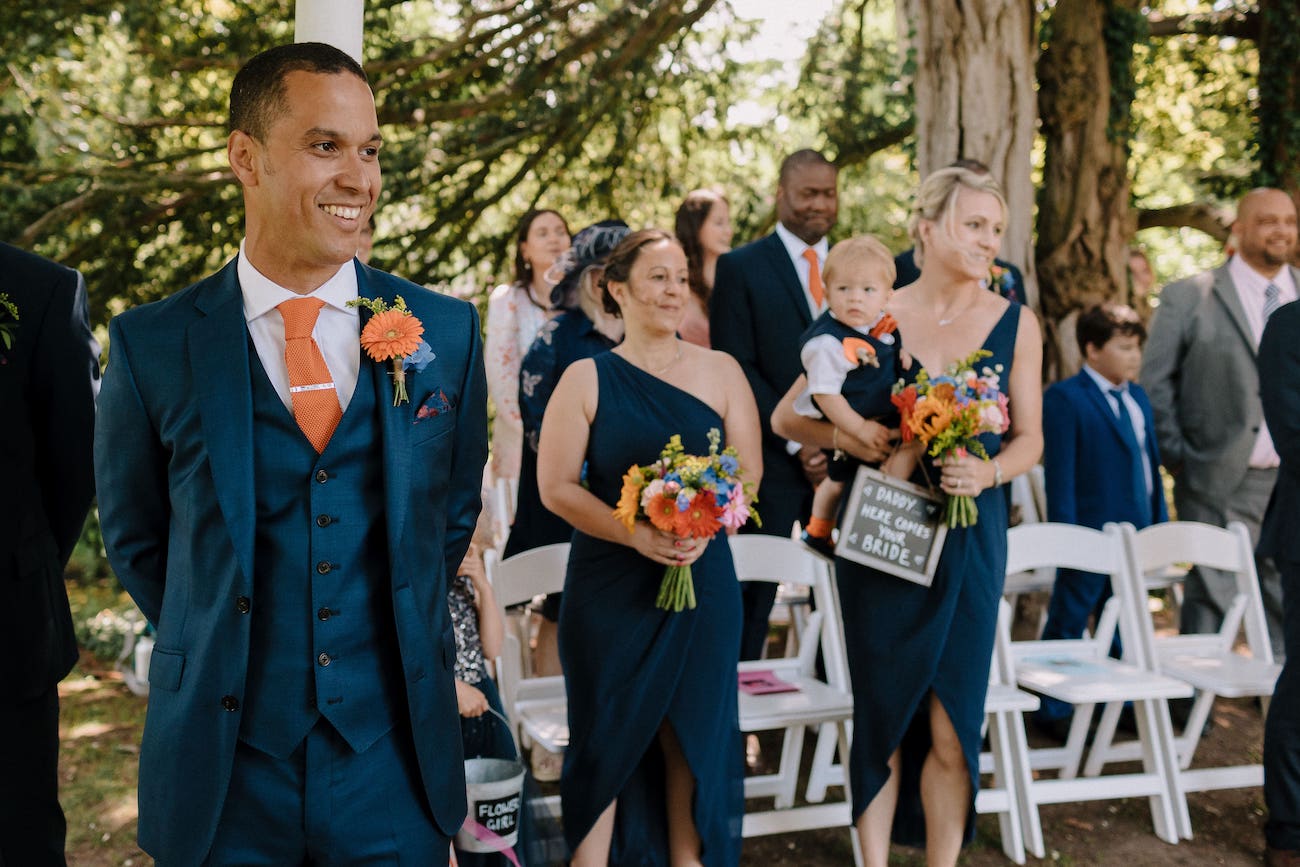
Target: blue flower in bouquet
x=729, y=464
x=672, y=478
x=683, y=500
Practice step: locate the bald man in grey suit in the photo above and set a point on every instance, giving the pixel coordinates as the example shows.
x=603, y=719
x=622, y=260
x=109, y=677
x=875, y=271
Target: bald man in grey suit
x=1200, y=374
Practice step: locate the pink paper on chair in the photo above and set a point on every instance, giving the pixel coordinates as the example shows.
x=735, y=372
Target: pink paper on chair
x=763, y=682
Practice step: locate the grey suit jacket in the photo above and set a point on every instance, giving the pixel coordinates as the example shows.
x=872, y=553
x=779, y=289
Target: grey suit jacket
x=1199, y=371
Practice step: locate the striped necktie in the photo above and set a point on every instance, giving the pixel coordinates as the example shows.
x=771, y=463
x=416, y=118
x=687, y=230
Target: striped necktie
x=1272, y=300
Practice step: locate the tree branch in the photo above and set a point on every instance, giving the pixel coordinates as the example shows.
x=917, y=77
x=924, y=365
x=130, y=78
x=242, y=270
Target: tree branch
x=1195, y=215
x=1240, y=23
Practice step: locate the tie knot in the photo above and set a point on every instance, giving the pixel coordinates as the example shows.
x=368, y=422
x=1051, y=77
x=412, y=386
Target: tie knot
x=811, y=255
x=299, y=316
x=1271, y=292
x=1117, y=393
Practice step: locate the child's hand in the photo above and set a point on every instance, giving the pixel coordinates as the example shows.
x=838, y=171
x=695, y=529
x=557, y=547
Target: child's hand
x=470, y=700
x=876, y=435
x=472, y=566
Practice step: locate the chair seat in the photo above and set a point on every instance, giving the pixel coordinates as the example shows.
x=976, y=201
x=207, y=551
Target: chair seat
x=1231, y=674
x=1083, y=680
x=546, y=721
x=814, y=703
x=1002, y=698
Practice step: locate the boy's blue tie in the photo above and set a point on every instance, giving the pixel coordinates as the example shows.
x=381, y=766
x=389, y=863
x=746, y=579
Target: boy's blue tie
x=1129, y=433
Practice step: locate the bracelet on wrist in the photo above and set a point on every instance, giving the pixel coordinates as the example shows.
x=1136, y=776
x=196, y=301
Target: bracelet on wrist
x=997, y=473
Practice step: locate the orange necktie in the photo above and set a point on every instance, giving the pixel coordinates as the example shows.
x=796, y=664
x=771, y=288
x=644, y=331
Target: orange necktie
x=814, y=277
x=311, y=388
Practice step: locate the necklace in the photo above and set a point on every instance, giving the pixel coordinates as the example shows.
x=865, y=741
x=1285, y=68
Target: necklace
x=676, y=358
x=944, y=321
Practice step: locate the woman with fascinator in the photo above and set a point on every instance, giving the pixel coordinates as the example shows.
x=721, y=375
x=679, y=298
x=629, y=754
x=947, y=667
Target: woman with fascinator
x=516, y=311
x=583, y=329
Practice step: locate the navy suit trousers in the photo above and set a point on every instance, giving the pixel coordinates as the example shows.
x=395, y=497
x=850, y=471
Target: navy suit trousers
x=1282, y=728
x=327, y=805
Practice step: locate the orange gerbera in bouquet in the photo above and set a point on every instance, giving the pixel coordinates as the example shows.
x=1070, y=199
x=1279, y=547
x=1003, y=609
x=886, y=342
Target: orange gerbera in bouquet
x=689, y=496
x=948, y=413
x=393, y=334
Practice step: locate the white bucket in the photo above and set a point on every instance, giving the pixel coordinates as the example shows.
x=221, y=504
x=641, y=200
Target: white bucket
x=495, y=791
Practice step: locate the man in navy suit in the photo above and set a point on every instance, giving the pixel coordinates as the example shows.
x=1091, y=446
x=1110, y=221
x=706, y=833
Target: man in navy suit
x=765, y=294
x=1279, y=380
x=49, y=373
x=1101, y=464
x=289, y=537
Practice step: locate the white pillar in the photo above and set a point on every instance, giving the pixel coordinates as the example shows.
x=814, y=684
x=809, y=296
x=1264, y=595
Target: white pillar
x=335, y=22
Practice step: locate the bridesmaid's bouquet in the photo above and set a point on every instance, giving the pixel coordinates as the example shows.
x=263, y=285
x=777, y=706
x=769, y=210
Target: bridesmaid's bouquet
x=690, y=496
x=948, y=413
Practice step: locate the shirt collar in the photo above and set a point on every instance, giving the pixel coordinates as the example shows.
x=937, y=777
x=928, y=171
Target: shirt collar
x=1246, y=277
x=795, y=246
x=1103, y=383
x=261, y=294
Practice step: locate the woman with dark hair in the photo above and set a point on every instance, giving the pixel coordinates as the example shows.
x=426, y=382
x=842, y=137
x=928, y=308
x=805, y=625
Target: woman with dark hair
x=516, y=312
x=704, y=231
x=653, y=773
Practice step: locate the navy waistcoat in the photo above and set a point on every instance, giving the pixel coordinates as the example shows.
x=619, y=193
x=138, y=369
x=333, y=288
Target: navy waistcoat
x=866, y=388
x=323, y=639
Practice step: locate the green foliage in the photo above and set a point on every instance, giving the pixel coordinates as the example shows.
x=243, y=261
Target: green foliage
x=1277, y=138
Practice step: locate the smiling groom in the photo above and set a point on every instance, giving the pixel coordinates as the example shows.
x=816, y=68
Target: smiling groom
x=287, y=526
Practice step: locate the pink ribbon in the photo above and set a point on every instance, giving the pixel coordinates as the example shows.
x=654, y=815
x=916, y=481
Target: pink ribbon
x=486, y=835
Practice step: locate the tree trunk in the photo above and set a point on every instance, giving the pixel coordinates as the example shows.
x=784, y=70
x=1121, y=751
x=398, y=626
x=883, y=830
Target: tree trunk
x=1084, y=220
x=1278, y=121
x=974, y=86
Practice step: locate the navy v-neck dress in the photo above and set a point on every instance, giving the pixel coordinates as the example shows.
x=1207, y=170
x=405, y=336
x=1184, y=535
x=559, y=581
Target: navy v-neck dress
x=629, y=667
x=905, y=641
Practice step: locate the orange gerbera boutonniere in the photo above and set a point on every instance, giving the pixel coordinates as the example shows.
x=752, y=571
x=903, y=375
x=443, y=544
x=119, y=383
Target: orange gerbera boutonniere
x=886, y=325
x=394, y=334
x=859, y=351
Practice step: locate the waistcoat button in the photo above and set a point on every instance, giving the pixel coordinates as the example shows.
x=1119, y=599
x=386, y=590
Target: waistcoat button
x=229, y=702
x=243, y=605
x=323, y=567
x=324, y=658
x=322, y=476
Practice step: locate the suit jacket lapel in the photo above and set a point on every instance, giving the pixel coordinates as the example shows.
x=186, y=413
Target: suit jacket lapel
x=783, y=268
x=219, y=342
x=395, y=421
x=1226, y=291
x=1102, y=401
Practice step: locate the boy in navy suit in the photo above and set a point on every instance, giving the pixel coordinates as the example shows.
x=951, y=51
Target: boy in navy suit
x=1101, y=463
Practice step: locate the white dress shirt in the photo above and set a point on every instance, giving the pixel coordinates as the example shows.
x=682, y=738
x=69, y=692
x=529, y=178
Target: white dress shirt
x=337, y=331
x=1250, y=285
x=1135, y=416
x=795, y=247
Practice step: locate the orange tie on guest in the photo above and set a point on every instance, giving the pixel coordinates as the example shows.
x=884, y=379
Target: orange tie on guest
x=311, y=387
x=815, y=278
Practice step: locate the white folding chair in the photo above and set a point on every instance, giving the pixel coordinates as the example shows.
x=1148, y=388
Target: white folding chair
x=1080, y=672
x=535, y=705
x=827, y=705
x=1207, y=662
x=1007, y=760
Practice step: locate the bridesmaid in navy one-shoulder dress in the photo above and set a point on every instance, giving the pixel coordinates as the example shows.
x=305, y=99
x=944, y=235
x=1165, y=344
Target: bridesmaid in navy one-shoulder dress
x=630, y=666
x=936, y=639
x=653, y=773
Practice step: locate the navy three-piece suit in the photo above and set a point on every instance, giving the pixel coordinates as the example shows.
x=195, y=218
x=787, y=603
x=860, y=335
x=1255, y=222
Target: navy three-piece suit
x=292, y=592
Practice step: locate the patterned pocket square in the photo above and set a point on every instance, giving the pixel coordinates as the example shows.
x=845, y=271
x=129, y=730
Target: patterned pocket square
x=433, y=406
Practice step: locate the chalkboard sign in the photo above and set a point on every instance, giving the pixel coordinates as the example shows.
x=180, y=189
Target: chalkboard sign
x=893, y=526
